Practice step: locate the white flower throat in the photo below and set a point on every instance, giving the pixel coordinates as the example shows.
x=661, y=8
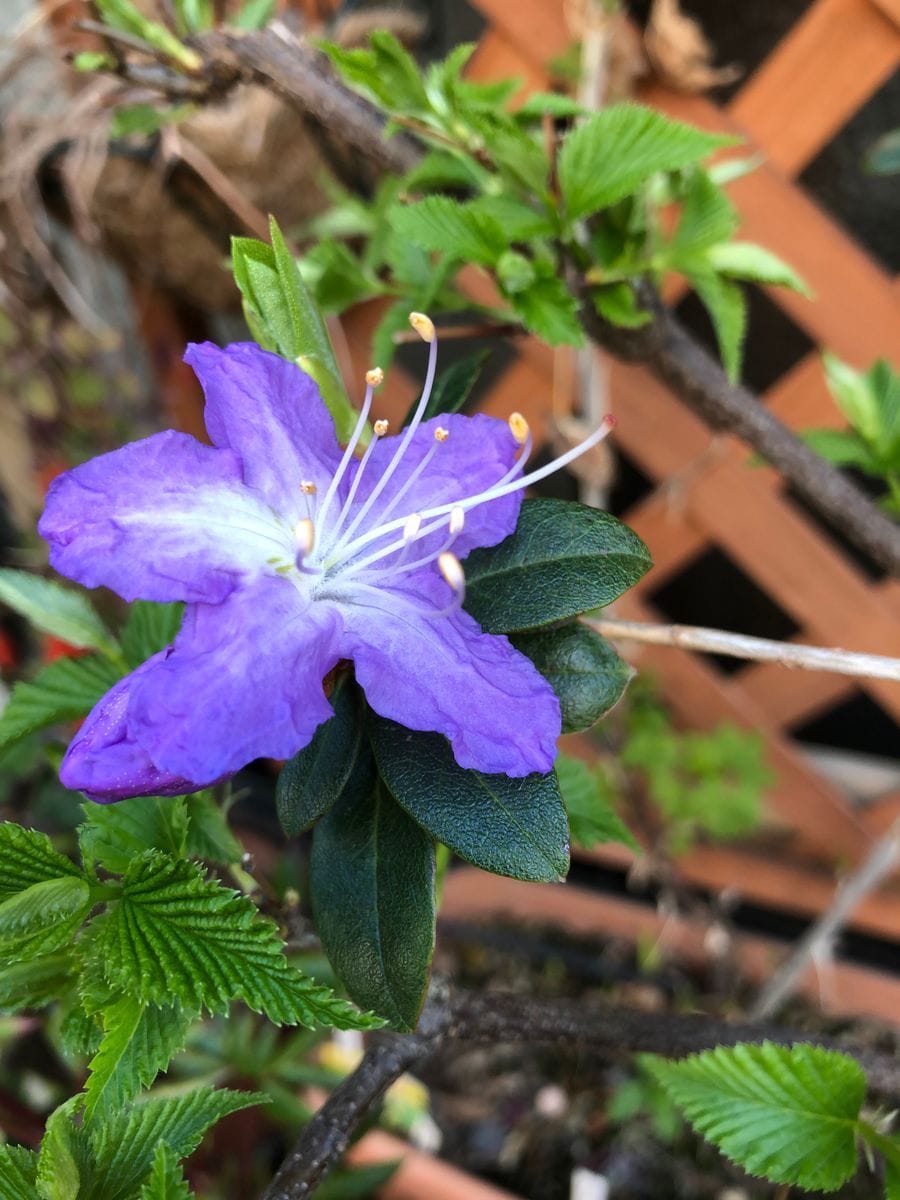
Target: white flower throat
x=344, y=558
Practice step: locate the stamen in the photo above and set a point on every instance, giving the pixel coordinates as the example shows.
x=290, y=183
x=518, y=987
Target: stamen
x=411, y=527
x=401, y=566
x=308, y=487
x=381, y=427
x=441, y=434
x=305, y=540
x=375, y=377
x=425, y=327
x=457, y=520
x=353, y=443
x=451, y=569
x=519, y=427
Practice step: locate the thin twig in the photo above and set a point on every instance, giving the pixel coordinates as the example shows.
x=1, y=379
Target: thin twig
x=741, y=645
x=816, y=944
x=611, y=1031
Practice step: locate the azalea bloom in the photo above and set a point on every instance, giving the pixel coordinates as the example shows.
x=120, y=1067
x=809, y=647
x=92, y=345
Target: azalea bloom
x=293, y=555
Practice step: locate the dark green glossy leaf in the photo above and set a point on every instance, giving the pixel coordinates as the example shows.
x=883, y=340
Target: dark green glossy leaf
x=372, y=891
x=564, y=559
x=453, y=386
x=581, y=667
x=514, y=827
x=315, y=778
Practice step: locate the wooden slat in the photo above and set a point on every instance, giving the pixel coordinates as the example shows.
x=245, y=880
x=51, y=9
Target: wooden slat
x=671, y=538
x=826, y=68
x=890, y=8
x=498, y=58
x=470, y=894
x=536, y=29
x=790, y=696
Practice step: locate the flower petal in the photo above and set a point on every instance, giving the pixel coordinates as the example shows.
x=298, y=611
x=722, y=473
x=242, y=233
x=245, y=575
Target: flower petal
x=272, y=416
x=477, y=454
x=443, y=674
x=243, y=681
x=103, y=759
x=165, y=518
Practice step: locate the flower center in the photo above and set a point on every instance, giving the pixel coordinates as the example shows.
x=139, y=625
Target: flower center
x=351, y=557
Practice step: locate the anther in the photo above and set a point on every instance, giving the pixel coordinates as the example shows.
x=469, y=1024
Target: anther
x=457, y=520
x=381, y=427
x=518, y=427
x=451, y=569
x=412, y=526
x=305, y=536
x=308, y=488
x=375, y=377
x=441, y=434
x=423, y=325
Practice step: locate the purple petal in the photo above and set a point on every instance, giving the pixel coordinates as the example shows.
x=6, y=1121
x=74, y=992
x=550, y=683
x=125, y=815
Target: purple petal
x=243, y=681
x=104, y=761
x=477, y=454
x=165, y=518
x=443, y=674
x=271, y=415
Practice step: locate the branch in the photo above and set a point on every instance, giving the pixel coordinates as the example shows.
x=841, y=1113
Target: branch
x=817, y=942
x=611, y=1030
x=740, y=645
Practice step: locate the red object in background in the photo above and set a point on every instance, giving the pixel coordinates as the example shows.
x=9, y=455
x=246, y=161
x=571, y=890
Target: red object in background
x=8, y=655
x=55, y=648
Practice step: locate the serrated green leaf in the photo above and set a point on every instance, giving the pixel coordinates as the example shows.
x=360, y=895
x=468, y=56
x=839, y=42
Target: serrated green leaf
x=518, y=220
x=514, y=827
x=60, y=1161
x=18, y=1170
x=125, y=1145
x=139, y=1040
x=208, y=835
x=63, y=691
x=58, y=610
x=618, y=304
x=27, y=857
x=336, y=277
x=727, y=308
x=285, y=318
x=564, y=559
x=707, y=217
x=843, y=447
x=313, y=780
x=746, y=260
x=787, y=1114
x=178, y=935
x=614, y=151
x=122, y=14
x=385, y=73
x=150, y=628
x=551, y=104
x=592, y=820
x=459, y=230
x=372, y=891
x=585, y=672
x=515, y=272
x=35, y=983
x=166, y=1181
x=547, y=308
x=43, y=917
x=888, y=1145
x=854, y=395
x=113, y=834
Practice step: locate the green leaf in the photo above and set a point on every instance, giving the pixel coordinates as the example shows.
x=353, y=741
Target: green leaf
x=459, y=230
x=122, y=14
x=453, y=387
x=547, y=308
x=28, y=857
x=707, y=217
x=727, y=308
x=138, y=1042
x=372, y=891
x=551, y=104
x=888, y=1145
x=563, y=560
x=592, y=819
x=884, y=156
x=612, y=153
x=63, y=691
x=43, y=917
x=385, y=73
x=282, y=312
x=255, y=14
x=854, y=395
x=336, y=277
x=18, y=1168
x=514, y=827
x=60, y=1161
x=114, y=834
x=358, y=1183
x=618, y=304
x=35, y=983
x=150, y=628
x=519, y=221
x=126, y=1145
x=176, y=935
x=313, y=780
x=787, y=1114
x=585, y=672
x=58, y=610
x=515, y=272
x=843, y=447
x=166, y=1181
x=208, y=835
x=746, y=260
x=145, y=119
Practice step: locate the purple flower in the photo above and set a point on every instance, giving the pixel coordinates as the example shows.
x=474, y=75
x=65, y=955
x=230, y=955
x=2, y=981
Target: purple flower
x=292, y=556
